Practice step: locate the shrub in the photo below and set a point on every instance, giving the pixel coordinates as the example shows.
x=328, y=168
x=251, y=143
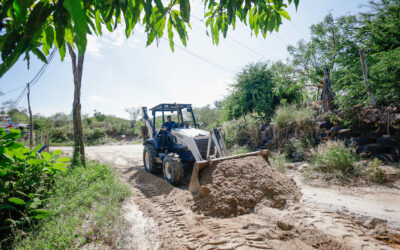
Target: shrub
x=334, y=158
x=284, y=115
x=25, y=178
x=241, y=132
x=278, y=161
x=375, y=174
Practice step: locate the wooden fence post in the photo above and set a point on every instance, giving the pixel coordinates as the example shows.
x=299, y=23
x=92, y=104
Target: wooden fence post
x=327, y=93
x=365, y=71
x=41, y=136
x=47, y=141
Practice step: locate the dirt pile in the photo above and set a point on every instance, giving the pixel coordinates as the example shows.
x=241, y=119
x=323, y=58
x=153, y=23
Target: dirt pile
x=238, y=186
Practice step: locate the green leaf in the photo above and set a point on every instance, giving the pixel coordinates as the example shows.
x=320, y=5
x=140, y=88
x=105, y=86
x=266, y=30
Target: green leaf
x=284, y=14
x=40, y=211
x=47, y=156
x=185, y=10
x=60, y=166
x=14, y=134
x=98, y=22
x=57, y=152
x=16, y=201
x=39, y=54
x=77, y=13
x=170, y=34
x=160, y=6
x=7, y=207
x=20, y=7
x=63, y=159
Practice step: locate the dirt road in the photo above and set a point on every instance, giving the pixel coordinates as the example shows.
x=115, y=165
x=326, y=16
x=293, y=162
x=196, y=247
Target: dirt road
x=326, y=218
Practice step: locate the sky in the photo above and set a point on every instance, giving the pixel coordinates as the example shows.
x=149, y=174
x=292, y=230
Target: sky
x=119, y=73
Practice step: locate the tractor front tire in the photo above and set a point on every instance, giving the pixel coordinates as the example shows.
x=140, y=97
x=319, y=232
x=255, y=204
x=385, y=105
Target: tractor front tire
x=149, y=159
x=173, y=169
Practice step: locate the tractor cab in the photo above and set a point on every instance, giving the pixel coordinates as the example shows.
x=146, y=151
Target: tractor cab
x=181, y=114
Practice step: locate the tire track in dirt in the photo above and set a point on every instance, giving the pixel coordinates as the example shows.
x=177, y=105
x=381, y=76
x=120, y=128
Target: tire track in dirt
x=302, y=226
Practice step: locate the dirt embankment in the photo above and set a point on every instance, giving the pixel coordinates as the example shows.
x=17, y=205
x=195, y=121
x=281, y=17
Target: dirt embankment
x=238, y=186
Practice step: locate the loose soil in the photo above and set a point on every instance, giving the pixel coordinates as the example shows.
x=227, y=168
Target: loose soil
x=162, y=216
x=238, y=186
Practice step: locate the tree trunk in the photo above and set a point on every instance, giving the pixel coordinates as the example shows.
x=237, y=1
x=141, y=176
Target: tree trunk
x=30, y=118
x=327, y=93
x=79, y=148
x=365, y=71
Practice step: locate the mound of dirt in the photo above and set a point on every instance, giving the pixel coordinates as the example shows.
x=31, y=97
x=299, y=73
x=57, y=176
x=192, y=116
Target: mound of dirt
x=237, y=186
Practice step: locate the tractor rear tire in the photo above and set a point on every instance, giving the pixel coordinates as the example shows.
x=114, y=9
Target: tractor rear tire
x=173, y=169
x=149, y=159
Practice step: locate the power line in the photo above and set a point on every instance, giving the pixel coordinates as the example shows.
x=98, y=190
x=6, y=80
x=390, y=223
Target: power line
x=11, y=91
x=240, y=43
x=201, y=58
x=35, y=79
x=297, y=28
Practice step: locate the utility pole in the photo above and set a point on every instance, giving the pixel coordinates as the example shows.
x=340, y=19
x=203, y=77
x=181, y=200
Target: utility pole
x=365, y=71
x=30, y=118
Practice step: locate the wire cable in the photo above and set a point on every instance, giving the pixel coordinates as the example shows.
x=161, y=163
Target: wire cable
x=35, y=79
x=242, y=44
x=200, y=57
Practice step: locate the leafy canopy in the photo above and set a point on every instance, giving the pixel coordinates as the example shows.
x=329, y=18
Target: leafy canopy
x=35, y=26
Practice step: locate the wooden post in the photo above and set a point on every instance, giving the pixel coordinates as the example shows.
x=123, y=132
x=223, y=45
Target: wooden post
x=30, y=118
x=327, y=93
x=37, y=137
x=365, y=71
x=47, y=140
x=41, y=136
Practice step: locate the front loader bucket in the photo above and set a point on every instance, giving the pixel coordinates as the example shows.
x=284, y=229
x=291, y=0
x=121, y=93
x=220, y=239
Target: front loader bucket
x=194, y=185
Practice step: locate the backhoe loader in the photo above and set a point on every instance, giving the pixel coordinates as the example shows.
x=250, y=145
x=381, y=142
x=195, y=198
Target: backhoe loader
x=184, y=147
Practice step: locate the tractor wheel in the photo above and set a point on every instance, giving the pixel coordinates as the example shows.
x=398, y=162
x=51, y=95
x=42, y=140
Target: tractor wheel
x=173, y=169
x=149, y=160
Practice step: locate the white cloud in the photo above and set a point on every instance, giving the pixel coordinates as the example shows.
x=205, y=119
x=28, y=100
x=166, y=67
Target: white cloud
x=99, y=99
x=109, y=40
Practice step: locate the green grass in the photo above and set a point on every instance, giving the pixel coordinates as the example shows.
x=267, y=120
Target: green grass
x=335, y=159
x=278, y=161
x=86, y=206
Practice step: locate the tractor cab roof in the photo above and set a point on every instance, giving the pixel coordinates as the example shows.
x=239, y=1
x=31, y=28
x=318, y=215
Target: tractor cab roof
x=170, y=107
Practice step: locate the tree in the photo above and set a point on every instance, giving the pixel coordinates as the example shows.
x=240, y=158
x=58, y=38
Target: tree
x=18, y=115
x=208, y=117
x=133, y=116
x=259, y=88
x=35, y=26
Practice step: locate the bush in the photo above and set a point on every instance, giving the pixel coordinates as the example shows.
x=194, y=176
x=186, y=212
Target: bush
x=299, y=149
x=278, y=161
x=334, y=158
x=375, y=174
x=92, y=135
x=289, y=114
x=25, y=178
x=241, y=132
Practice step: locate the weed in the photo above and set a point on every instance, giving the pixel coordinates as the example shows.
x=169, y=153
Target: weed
x=285, y=115
x=374, y=173
x=278, y=161
x=335, y=159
